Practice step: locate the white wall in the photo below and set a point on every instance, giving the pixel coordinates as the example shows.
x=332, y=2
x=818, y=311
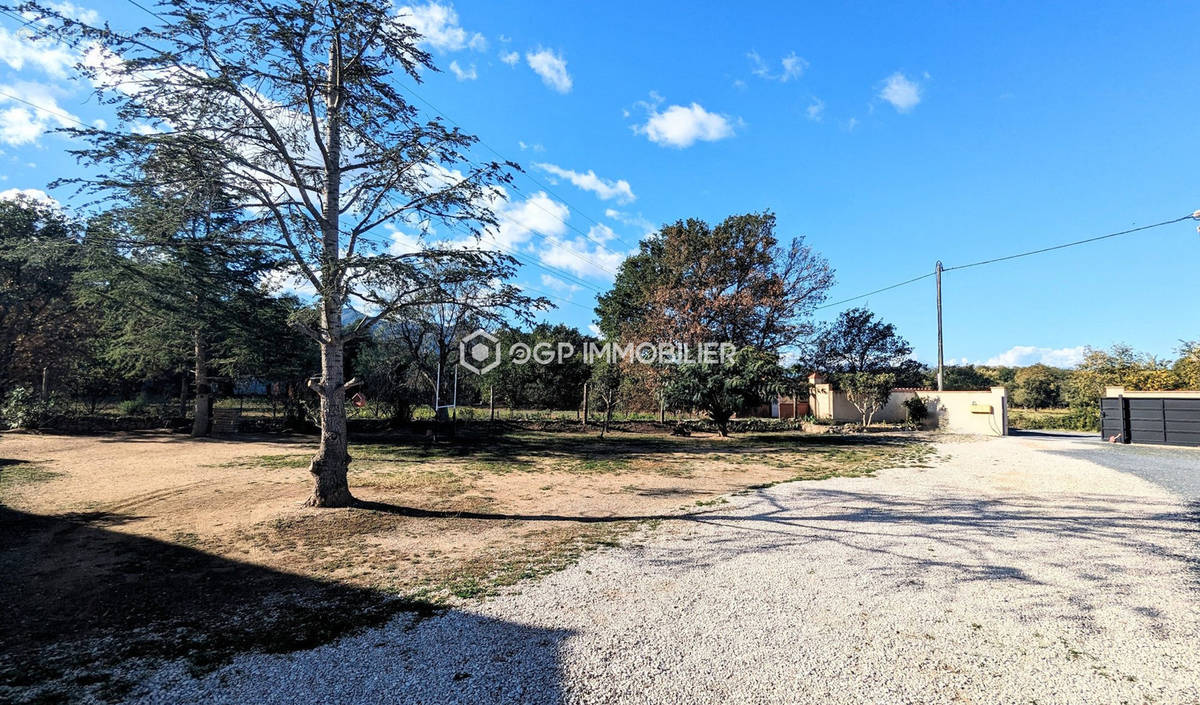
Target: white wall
x=953, y=412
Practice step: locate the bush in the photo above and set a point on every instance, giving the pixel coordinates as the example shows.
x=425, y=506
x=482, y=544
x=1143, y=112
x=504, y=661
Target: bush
x=917, y=410
x=22, y=408
x=133, y=407
x=1076, y=419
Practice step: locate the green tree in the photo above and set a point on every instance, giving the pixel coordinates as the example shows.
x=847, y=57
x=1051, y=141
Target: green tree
x=558, y=384
x=1120, y=365
x=1038, y=387
x=1187, y=366
x=961, y=378
x=41, y=323
x=859, y=342
x=176, y=269
x=867, y=391
x=748, y=379
x=300, y=108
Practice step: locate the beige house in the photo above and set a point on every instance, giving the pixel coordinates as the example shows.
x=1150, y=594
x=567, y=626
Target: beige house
x=983, y=412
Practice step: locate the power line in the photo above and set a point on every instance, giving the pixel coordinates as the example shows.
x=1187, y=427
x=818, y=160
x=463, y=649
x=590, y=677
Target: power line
x=1070, y=244
x=877, y=291
x=58, y=113
x=1005, y=258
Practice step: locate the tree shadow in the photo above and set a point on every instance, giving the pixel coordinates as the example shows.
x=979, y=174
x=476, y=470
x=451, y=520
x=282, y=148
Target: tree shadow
x=90, y=612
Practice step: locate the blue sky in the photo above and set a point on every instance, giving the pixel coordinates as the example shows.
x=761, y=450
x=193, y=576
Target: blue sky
x=891, y=135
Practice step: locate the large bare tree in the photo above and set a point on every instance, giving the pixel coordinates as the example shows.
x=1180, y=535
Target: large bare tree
x=301, y=105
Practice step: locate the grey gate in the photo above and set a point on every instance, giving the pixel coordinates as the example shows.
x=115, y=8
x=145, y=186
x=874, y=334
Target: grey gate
x=1164, y=421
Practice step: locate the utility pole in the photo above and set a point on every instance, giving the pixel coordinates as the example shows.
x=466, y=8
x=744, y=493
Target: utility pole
x=938, y=270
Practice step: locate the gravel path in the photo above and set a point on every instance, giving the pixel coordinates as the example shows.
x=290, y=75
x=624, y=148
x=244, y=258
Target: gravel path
x=1009, y=573
x=1176, y=468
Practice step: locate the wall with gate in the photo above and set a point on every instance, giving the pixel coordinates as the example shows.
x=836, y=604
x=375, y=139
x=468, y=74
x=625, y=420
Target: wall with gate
x=1165, y=417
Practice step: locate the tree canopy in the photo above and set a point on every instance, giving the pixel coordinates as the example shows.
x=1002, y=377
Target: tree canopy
x=857, y=341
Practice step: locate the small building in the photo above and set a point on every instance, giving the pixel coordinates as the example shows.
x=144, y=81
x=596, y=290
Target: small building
x=982, y=412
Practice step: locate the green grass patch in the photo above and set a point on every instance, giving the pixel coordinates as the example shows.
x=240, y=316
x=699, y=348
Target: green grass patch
x=18, y=473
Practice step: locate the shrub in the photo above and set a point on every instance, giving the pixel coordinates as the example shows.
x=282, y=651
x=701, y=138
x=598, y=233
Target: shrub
x=917, y=410
x=1077, y=419
x=132, y=407
x=23, y=408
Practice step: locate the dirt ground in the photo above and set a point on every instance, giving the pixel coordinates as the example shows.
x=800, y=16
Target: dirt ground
x=161, y=534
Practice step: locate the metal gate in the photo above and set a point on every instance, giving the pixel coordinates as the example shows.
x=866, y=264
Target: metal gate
x=1163, y=421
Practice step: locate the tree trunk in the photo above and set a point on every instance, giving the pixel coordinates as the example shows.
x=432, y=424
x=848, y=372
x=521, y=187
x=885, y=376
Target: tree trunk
x=722, y=422
x=332, y=460
x=202, y=418
x=330, y=464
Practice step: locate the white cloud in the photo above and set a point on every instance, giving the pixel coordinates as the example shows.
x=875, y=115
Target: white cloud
x=815, y=110
x=790, y=67
x=901, y=92
x=23, y=124
x=582, y=256
x=637, y=221
x=76, y=12
x=595, y=330
x=552, y=67
x=520, y=221
x=604, y=189
x=1022, y=355
x=438, y=26
x=32, y=194
x=511, y=58
x=19, y=48
x=793, y=67
x=402, y=242
x=537, y=147
x=680, y=126
x=559, y=285
x=461, y=74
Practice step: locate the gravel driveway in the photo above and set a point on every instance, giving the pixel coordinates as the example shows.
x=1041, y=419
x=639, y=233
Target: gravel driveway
x=1009, y=573
x=1176, y=468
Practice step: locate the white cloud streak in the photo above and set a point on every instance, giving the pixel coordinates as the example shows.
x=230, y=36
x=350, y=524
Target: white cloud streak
x=462, y=74
x=790, y=67
x=552, y=68
x=604, y=189
x=1021, y=355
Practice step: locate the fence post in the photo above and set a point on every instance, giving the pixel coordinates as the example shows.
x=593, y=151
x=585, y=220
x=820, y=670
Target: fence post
x=491, y=403
x=585, y=403
x=1124, y=418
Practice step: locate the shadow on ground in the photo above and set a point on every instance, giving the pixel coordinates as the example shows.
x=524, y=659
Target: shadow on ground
x=89, y=611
